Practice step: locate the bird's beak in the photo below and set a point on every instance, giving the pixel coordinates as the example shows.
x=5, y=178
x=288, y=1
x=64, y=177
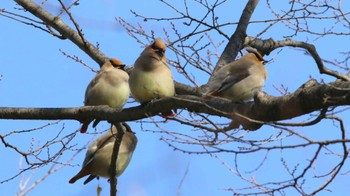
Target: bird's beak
x=122, y=66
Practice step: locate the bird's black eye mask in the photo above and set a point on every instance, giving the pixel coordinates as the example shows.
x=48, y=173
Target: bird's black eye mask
x=159, y=51
x=258, y=55
x=156, y=48
x=119, y=66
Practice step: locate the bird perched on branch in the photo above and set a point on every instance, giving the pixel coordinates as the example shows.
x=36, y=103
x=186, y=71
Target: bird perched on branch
x=98, y=156
x=109, y=87
x=239, y=80
x=151, y=77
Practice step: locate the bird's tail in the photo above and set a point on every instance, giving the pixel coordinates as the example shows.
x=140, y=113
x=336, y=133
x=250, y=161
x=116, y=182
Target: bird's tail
x=82, y=173
x=72, y=180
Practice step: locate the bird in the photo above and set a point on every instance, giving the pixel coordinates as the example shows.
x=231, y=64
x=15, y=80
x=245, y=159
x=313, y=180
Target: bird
x=239, y=80
x=151, y=77
x=98, y=156
x=109, y=87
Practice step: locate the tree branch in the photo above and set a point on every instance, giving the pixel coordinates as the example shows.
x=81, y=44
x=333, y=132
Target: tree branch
x=63, y=29
x=310, y=97
x=155, y=107
x=118, y=140
x=267, y=46
x=236, y=41
x=83, y=44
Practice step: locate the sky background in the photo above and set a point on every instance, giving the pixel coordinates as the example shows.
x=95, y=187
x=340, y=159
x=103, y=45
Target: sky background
x=34, y=73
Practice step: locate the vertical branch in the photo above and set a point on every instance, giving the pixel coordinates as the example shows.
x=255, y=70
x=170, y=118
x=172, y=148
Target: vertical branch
x=236, y=41
x=113, y=178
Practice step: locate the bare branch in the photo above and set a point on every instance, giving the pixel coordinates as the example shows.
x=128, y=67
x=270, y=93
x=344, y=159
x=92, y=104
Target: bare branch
x=194, y=53
x=308, y=98
x=35, y=157
x=266, y=46
x=78, y=60
x=236, y=41
x=52, y=170
x=76, y=25
x=64, y=29
x=113, y=178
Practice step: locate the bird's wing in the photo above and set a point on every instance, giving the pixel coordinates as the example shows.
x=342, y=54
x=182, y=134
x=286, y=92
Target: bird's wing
x=227, y=76
x=231, y=80
x=91, y=85
x=96, y=146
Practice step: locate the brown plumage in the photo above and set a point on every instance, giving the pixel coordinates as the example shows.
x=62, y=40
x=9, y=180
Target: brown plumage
x=151, y=77
x=109, y=87
x=98, y=156
x=239, y=80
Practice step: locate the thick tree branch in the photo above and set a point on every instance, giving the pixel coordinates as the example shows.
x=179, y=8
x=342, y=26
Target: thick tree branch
x=183, y=89
x=267, y=46
x=193, y=103
x=63, y=29
x=310, y=97
x=236, y=41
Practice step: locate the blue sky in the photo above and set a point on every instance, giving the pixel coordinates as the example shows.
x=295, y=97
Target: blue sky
x=36, y=74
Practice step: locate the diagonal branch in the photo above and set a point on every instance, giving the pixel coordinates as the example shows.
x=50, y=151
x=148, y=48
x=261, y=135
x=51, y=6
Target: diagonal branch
x=76, y=38
x=64, y=29
x=236, y=41
x=76, y=25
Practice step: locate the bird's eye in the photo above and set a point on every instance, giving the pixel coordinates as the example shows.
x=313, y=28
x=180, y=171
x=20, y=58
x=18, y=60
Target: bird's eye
x=154, y=45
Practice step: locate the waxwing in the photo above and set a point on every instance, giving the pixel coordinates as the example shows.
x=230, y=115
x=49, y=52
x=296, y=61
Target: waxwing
x=109, y=87
x=98, y=156
x=151, y=77
x=239, y=80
